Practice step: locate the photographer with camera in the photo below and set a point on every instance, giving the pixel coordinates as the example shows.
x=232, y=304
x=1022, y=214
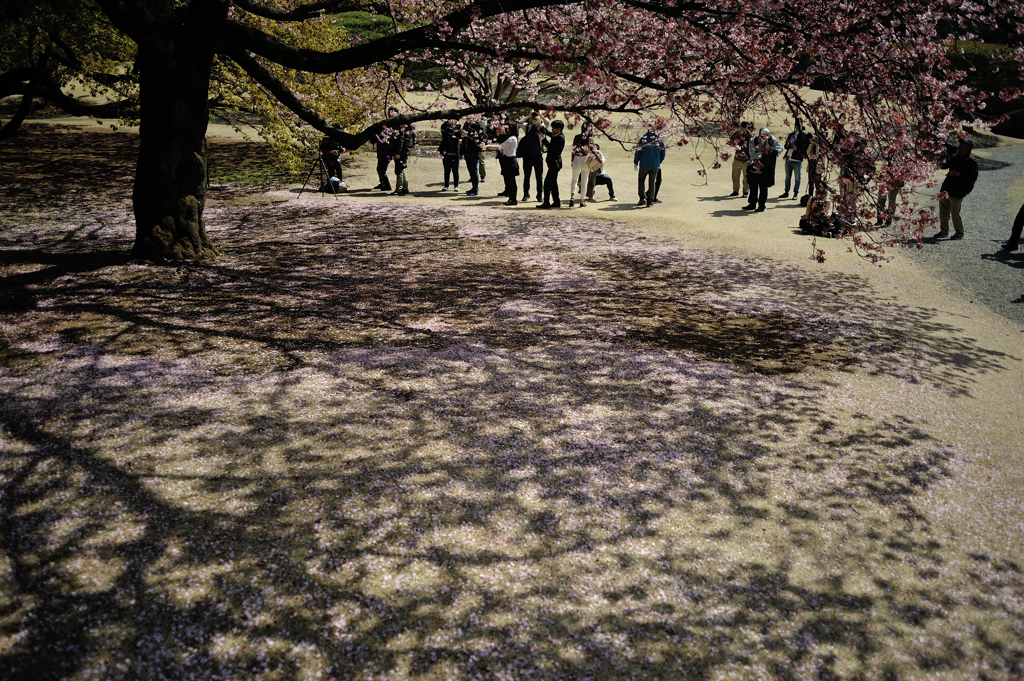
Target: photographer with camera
x=740, y=158
x=959, y=182
x=531, y=153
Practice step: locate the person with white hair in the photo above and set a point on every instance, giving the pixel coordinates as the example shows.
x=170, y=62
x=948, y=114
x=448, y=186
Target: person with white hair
x=764, y=151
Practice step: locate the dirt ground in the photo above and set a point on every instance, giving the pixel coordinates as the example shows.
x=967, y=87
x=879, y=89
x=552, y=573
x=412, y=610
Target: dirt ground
x=433, y=437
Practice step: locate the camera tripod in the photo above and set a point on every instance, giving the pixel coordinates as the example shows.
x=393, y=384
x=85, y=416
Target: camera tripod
x=325, y=174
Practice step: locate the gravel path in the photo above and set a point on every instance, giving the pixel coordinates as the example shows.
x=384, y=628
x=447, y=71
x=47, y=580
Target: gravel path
x=977, y=263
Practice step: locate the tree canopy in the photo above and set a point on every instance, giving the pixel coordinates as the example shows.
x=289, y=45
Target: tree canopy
x=690, y=70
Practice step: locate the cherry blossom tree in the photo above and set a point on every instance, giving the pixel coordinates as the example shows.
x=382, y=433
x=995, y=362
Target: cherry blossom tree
x=686, y=69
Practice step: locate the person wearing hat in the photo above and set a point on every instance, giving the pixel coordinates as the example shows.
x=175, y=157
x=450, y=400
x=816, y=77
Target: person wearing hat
x=764, y=151
x=959, y=182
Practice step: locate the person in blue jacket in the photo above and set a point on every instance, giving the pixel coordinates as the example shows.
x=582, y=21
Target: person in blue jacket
x=650, y=152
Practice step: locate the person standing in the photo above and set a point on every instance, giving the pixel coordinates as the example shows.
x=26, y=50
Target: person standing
x=401, y=142
x=472, y=149
x=650, y=152
x=582, y=150
x=796, y=145
x=739, y=142
x=764, y=151
x=959, y=182
x=554, y=146
x=815, y=165
x=1015, y=231
x=383, y=142
x=532, y=154
x=508, y=144
x=450, y=147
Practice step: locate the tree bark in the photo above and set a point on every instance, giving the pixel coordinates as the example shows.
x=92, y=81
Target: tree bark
x=170, y=181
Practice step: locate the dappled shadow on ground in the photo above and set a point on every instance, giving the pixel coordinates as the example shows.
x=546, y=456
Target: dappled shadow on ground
x=397, y=442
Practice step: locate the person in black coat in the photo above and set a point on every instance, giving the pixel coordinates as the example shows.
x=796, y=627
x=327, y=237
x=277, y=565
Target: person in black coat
x=531, y=151
x=473, y=141
x=764, y=151
x=450, y=150
x=959, y=182
x=554, y=145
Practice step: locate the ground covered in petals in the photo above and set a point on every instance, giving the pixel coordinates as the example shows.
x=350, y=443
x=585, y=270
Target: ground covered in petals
x=380, y=441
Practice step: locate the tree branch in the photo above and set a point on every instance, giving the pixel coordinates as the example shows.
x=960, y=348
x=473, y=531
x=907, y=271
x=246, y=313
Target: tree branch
x=353, y=141
x=382, y=49
x=310, y=11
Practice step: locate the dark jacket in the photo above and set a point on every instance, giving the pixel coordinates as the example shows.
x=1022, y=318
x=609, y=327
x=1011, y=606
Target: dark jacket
x=451, y=139
x=963, y=184
x=650, y=152
x=555, y=145
x=472, y=142
x=396, y=143
x=530, y=145
x=383, y=142
x=763, y=156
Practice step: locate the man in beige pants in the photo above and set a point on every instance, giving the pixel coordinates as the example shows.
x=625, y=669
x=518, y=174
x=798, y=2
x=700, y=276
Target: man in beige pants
x=740, y=159
x=959, y=182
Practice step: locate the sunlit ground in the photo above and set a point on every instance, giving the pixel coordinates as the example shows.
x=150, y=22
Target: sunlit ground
x=392, y=442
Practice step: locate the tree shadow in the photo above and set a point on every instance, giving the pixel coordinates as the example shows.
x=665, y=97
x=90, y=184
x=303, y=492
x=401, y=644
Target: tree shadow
x=396, y=441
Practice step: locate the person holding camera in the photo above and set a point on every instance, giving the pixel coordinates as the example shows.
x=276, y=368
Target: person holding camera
x=508, y=143
x=959, y=182
x=764, y=151
x=472, y=149
x=582, y=151
x=796, y=147
x=554, y=147
x=739, y=141
x=650, y=152
x=449, y=148
x=531, y=153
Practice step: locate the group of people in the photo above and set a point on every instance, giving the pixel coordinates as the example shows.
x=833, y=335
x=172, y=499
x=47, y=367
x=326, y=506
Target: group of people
x=539, y=150
x=755, y=158
x=755, y=155
x=754, y=164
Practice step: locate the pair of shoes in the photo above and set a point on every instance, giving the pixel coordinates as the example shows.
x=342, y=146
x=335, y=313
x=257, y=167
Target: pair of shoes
x=785, y=196
x=545, y=206
x=473, y=192
x=956, y=237
x=1008, y=247
x=572, y=202
x=511, y=202
x=735, y=194
x=750, y=206
x=759, y=209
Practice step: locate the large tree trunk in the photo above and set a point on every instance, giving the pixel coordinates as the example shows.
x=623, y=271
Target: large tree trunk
x=170, y=180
